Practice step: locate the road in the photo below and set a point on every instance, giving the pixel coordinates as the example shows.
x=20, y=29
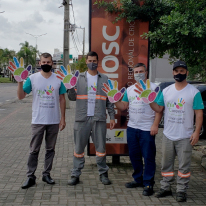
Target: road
x=7, y=92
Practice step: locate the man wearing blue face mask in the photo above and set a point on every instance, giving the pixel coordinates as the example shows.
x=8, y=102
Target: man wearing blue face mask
x=90, y=118
x=141, y=130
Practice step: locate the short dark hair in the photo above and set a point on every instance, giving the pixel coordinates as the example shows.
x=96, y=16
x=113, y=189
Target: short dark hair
x=140, y=65
x=46, y=55
x=92, y=54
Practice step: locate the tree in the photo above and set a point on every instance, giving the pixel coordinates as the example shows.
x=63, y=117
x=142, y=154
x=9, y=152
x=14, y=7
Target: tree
x=80, y=65
x=28, y=52
x=6, y=55
x=177, y=27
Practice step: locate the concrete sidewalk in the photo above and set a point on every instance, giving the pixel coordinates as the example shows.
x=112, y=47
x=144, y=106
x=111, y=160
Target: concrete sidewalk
x=15, y=134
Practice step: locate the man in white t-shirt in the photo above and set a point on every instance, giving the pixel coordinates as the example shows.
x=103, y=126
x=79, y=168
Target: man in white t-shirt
x=180, y=101
x=90, y=118
x=141, y=130
x=48, y=99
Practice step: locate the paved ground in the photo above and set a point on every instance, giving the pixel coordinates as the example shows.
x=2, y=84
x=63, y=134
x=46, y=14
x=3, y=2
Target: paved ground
x=15, y=131
x=7, y=92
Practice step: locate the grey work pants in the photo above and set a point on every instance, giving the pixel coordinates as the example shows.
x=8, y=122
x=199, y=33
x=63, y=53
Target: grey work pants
x=183, y=150
x=38, y=130
x=82, y=132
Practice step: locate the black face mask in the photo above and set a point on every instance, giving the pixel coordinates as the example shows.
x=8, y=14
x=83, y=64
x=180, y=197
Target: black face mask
x=180, y=77
x=46, y=67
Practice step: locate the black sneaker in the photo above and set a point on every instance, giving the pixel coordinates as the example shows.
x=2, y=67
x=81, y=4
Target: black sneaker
x=163, y=193
x=133, y=184
x=73, y=180
x=181, y=197
x=104, y=179
x=148, y=191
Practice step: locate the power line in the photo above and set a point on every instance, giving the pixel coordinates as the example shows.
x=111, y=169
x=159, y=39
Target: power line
x=74, y=22
x=75, y=45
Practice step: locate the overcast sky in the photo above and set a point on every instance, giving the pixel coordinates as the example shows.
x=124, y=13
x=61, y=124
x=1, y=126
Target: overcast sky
x=39, y=17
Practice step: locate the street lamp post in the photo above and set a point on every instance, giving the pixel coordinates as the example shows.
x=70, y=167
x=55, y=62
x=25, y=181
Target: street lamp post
x=36, y=37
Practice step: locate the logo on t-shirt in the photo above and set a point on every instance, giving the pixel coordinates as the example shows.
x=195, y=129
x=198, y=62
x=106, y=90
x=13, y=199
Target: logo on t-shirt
x=179, y=104
x=49, y=90
x=133, y=98
x=174, y=107
x=94, y=88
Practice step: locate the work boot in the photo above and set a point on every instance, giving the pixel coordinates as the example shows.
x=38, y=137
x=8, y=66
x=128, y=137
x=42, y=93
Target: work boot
x=148, y=191
x=104, y=179
x=181, y=197
x=163, y=193
x=73, y=180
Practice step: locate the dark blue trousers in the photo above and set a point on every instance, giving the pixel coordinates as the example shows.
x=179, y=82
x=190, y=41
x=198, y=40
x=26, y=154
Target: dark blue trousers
x=142, y=145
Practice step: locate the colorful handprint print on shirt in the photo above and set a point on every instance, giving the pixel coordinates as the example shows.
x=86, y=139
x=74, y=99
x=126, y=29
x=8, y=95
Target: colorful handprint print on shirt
x=145, y=92
x=50, y=90
x=114, y=95
x=180, y=104
x=67, y=77
x=18, y=70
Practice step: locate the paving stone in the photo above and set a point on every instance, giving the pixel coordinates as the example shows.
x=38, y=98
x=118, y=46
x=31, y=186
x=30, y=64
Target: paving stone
x=15, y=134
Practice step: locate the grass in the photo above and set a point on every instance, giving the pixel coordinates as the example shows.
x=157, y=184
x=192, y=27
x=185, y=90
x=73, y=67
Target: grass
x=5, y=80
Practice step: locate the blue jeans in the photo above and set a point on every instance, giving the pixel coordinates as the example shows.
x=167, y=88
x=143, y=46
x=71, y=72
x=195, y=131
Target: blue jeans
x=142, y=144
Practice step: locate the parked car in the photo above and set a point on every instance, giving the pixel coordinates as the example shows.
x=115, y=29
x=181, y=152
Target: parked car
x=202, y=88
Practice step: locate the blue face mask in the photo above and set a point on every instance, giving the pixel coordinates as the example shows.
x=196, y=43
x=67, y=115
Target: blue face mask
x=92, y=66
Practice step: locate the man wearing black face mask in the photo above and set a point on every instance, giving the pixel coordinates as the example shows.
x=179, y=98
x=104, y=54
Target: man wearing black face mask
x=48, y=96
x=90, y=118
x=180, y=101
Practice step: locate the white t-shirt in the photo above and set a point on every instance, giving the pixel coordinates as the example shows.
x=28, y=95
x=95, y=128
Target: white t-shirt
x=179, y=110
x=141, y=116
x=91, y=92
x=45, y=105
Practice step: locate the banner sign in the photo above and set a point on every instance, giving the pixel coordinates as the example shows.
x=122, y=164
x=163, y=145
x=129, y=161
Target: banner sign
x=119, y=47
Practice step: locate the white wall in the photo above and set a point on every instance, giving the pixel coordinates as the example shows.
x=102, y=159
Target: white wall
x=160, y=69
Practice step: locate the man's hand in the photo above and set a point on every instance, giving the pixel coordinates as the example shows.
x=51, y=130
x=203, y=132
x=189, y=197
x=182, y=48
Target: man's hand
x=153, y=130
x=194, y=138
x=62, y=124
x=112, y=124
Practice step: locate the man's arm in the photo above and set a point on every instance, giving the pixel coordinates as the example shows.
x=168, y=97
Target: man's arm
x=154, y=127
x=121, y=105
x=157, y=108
x=198, y=124
x=62, y=102
x=21, y=94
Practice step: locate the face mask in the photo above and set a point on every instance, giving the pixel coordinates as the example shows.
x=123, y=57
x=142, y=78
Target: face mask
x=92, y=66
x=138, y=76
x=180, y=77
x=46, y=67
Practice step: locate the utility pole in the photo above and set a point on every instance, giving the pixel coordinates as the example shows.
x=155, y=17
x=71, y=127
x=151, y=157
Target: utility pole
x=66, y=4
x=83, y=40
